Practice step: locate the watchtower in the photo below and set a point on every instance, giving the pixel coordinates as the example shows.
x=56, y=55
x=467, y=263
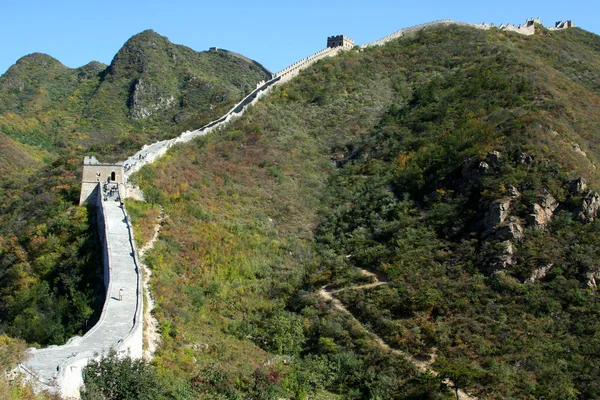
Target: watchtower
x=96, y=174
x=340, y=41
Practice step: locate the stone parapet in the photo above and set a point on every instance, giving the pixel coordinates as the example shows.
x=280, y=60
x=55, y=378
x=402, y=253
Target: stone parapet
x=59, y=368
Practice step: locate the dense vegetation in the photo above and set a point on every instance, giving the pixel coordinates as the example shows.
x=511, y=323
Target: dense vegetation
x=371, y=161
x=152, y=89
x=50, y=117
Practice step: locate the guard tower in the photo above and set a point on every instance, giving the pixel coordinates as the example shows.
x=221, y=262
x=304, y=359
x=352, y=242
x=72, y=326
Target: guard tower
x=96, y=174
x=340, y=41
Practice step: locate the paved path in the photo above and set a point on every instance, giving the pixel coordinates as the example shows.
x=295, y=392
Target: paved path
x=117, y=320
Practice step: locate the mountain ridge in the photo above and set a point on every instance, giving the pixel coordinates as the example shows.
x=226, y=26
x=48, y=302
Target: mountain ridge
x=448, y=162
x=151, y=87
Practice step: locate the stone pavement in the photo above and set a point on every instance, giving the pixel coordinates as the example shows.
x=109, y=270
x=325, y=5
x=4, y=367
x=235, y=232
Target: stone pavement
x=60, y=366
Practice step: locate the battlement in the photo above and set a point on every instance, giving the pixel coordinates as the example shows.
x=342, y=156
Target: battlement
x=92, y=160
x=95, y=174
x=563, y=24
x=340, y=41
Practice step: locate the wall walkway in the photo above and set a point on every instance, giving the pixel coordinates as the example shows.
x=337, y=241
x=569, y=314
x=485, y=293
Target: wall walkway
x=120, y=326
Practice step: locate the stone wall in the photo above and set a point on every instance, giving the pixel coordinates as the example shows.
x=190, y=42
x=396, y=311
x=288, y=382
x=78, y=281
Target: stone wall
x=340, y=41
x=528, y=28
x=95, y=172
x=294, y=69
x=101, y=234
x=59, y=368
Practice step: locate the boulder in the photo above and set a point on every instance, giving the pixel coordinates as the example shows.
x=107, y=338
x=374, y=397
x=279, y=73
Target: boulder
x=494, y=159
x=497, y=213
x=512, y=231
x=541, y=213
x=539, y=273
x=588, y=209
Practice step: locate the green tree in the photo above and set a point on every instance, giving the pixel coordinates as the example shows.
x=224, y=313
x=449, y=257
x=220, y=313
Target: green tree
x=114, y=378
x=460, y=374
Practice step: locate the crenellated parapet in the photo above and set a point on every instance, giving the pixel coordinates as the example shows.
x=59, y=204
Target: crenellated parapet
x=95, y=174
x=340, y=41
x=562, y=25
x=528, y=28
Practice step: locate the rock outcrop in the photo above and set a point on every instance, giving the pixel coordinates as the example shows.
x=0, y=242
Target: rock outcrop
x=592, y=277
x=525, y=159
x=146, y=100
x=578, y=149
x=541, y=213
x=496, y=215
x=498, y=221
x=539, y=273
x=576, y=186
x=473, y=169
x=513, y=192
x=504, y=257
x=589, y=207
x=511, y=231
x=494, y=159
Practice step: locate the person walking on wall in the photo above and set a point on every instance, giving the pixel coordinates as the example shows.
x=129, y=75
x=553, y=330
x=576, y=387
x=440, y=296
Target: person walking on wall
x=121, y=294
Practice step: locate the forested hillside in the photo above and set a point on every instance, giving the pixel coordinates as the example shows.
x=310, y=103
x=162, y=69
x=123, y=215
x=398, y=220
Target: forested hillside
x=50, y=117
x=151, y=89
x=454, y=169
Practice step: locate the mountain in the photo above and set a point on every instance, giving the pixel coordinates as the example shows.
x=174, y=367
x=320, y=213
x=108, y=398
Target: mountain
x=152, y=88
x=427, y=204
x=50, y=117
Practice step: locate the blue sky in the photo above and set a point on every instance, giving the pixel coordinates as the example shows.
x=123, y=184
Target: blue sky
x=275, y=33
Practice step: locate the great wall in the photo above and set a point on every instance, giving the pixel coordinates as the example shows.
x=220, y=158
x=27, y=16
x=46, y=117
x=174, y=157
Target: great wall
x=120, y=327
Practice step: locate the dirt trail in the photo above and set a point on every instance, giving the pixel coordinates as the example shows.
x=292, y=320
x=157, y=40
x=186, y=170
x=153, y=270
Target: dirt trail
x=421, y=365
x=151, y=335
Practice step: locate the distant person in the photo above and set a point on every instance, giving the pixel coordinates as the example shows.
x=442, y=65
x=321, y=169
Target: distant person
x=121, y=294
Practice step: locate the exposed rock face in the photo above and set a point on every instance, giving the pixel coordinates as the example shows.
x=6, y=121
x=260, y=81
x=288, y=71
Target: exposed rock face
x=496, y=221
x=542, y=212
x=512, y=231
x=497, y=213
x=539, y=273
x=577, y=186
x=592, y=277
x=472, y=170
x=589, y=207
x=146, y=100
x=13, y=81
x=513, y=192
x=494, y=159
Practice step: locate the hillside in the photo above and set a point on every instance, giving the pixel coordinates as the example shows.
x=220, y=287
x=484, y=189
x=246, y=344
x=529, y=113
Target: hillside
x=432, y=187
x=50, y=117
x=151, y=89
